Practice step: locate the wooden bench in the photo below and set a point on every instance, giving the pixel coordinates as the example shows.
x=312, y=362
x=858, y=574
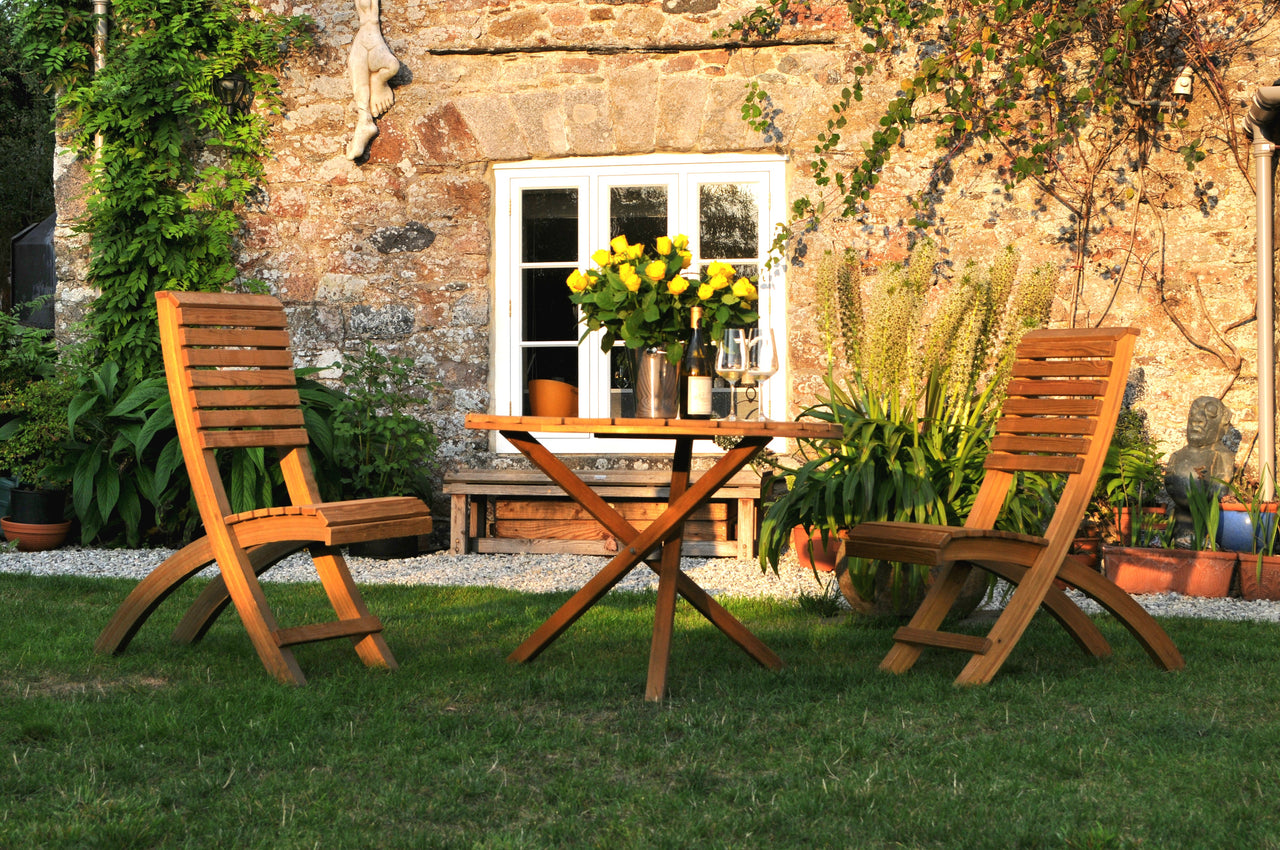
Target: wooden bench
x=521, y=510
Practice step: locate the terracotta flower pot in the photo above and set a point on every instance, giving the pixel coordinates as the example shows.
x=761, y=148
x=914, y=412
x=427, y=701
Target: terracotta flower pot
x=1155, y=520
x=812, y=552
x=1260, y=580
x=552, y=398
x=36, y=537
x=1138, y=570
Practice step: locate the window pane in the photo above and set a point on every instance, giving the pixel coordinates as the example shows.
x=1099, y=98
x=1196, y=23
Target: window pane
x=639, y=213
x=549, y=226
x=548, y=312
x=728, y=221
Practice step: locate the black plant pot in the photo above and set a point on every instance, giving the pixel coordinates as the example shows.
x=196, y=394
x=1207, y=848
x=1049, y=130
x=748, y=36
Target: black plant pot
x=37, y=507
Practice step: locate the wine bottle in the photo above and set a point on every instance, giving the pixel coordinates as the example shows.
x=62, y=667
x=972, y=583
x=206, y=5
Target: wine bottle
x=696, y=370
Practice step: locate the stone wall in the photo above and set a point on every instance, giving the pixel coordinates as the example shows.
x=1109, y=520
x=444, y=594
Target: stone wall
x=398, y=248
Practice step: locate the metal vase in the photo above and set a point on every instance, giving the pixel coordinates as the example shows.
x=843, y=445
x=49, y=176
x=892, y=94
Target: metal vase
x=657, y=384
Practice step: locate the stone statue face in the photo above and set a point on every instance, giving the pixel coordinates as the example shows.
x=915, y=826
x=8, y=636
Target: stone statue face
x=1205, y=421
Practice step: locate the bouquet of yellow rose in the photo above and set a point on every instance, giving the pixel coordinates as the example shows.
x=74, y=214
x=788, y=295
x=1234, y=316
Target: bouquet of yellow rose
x=645, y=301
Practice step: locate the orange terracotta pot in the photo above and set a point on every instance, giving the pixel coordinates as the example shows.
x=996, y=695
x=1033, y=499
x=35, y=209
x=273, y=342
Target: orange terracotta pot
x=1260, y=581
x=812, y=552
x=552, y=398
x=1138, y=570
x=33, y=537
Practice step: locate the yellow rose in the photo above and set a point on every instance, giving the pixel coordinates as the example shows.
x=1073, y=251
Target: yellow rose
x=705, y=291
x=630, y=279
x=618, y=244
x=719, y=282
x=635, y=252
x=601, y=257
x=578, y=281
x=677, y=285
x=681, y=242
x=656, y=270
x=744, y=289
x=688, y=258
x=664, y=245
x=720, y=269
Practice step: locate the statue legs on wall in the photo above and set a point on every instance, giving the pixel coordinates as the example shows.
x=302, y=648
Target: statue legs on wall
x=372, y=65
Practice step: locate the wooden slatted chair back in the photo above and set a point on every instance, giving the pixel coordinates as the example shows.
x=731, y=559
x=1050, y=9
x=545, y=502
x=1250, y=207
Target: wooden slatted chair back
x=1060, y=411
x=235, y=369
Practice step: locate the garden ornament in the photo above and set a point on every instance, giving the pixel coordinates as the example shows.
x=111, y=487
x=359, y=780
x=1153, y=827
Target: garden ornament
x=1209, y=455
x=372, y=66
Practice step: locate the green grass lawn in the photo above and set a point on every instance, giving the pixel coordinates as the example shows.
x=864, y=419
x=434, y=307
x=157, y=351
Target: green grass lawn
x=197, y=747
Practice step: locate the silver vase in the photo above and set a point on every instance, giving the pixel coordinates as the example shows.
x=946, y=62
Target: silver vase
x=657, y=384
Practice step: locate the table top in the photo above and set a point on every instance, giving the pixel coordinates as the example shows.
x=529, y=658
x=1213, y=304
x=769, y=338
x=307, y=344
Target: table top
x=668, y=428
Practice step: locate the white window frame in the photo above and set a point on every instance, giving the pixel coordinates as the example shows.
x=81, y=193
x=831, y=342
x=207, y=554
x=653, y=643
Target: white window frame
x=593, y=177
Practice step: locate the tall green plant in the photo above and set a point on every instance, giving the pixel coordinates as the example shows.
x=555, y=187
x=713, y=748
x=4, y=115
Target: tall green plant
x=167, y=164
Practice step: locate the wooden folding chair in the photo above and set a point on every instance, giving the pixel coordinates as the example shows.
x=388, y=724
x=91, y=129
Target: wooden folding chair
x=231, y=381
x=1063, y=400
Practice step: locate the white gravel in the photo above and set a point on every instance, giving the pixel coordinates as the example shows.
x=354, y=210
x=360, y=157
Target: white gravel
x=545, y=573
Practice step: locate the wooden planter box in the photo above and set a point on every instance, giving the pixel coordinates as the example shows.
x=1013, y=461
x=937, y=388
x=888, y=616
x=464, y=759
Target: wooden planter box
x=1139, y=570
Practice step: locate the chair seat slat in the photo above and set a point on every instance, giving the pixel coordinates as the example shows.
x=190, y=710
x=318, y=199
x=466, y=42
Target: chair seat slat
x=1041, y=388
x=1061, y=369
x=1034, y=463
x=273, y=437
x=1034, y=443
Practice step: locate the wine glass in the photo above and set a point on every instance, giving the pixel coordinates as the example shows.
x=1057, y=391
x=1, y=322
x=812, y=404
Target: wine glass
x=763, y=361
x=731, y=362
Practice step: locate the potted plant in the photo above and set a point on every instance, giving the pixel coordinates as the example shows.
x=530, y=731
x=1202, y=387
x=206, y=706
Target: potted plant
x=1200, y=570
x=33, y=441
x=895, y=461
x=374, y=445
x=640, y=295
x=1132, y=481
x=1257, y=535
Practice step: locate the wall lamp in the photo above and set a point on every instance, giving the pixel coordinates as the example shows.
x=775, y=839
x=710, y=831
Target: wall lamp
x=234, y=92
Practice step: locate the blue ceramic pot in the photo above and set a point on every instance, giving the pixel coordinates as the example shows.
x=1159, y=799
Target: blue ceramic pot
x=1236, y=532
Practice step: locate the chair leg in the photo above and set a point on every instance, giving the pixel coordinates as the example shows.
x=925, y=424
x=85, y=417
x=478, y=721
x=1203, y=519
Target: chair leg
x=1009, y=626
x=213, y=599
x=348, y=604
x=1068, y=614
x=150, y=592
x=933, y=610
x=1124, y=608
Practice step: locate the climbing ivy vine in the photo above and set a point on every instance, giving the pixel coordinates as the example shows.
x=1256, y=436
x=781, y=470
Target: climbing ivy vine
x=1071, y=95
x=167, y=164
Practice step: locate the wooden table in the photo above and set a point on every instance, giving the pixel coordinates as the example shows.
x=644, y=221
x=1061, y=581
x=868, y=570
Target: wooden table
x=663, y=533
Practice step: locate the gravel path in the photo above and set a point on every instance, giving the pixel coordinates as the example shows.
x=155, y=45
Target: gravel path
x=545, y=573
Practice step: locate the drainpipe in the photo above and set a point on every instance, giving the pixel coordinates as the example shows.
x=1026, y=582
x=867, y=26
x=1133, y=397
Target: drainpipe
x=100, y=11
x=1260, y=123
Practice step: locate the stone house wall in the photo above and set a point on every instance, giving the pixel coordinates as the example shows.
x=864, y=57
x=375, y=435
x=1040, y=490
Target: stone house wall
x=398, y=249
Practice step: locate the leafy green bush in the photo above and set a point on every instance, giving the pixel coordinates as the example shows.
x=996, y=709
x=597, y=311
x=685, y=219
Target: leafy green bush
x=378, y=446
x=33, y=438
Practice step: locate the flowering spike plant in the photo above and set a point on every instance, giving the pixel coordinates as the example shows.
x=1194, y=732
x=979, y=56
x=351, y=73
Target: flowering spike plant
x=645, y=301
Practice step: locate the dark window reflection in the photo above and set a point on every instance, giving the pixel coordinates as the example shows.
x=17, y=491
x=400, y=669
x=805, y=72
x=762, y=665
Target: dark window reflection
x=549, y=225
x=728, y=221
x=639, y=213
x=548, y=312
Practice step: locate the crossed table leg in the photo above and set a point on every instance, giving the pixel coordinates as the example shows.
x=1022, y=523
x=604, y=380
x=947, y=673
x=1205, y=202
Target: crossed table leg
x=667, y=531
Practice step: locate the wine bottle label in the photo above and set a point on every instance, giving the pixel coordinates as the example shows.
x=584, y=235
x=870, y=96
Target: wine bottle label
x=699, y=401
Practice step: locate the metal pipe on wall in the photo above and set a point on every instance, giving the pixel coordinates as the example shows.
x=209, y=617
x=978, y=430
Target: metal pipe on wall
x=101, y=8
x=1262, y=153
x=1260, y=124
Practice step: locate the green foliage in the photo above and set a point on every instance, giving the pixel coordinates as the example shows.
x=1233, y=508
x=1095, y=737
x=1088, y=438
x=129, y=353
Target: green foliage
x=1205, y=507
x=378, y=446
x=34, y=433
x=26, y=353
x=26, y=136
x=899, y=458
x=1055, y=88
x=1133, y=472
x=171, y=165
